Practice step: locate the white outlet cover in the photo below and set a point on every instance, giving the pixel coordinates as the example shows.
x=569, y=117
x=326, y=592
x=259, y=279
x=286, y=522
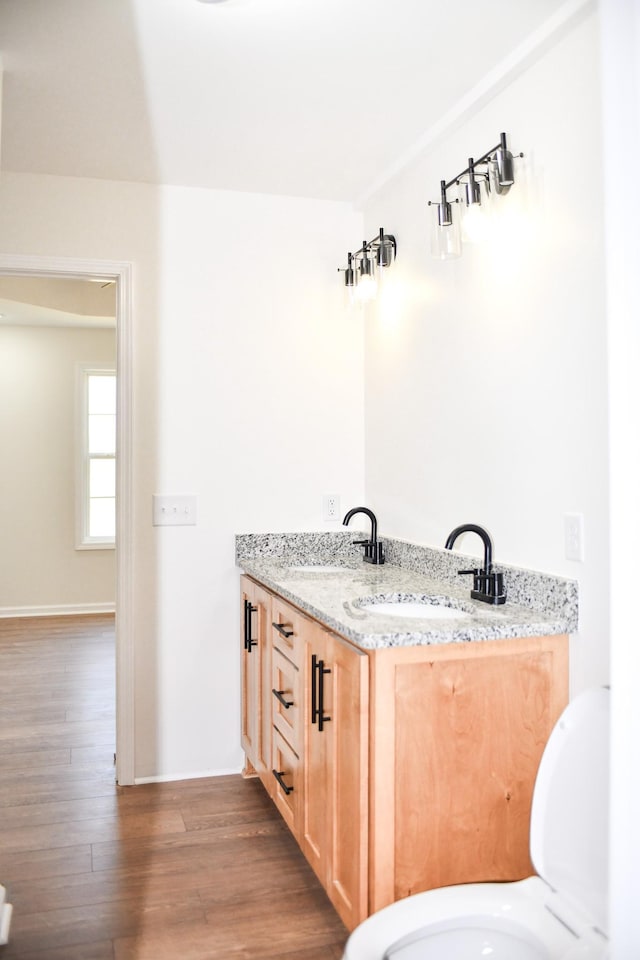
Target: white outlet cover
x=331, y=507
x=574, y=536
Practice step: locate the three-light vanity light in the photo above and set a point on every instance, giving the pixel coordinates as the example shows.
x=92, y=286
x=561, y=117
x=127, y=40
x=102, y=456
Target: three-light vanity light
x=457, y=218
x=365, y=265
x=491, y=175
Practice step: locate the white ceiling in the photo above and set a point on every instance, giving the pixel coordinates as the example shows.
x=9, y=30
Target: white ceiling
x=312, y=98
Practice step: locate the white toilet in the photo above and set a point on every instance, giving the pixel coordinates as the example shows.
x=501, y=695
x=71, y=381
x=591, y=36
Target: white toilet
x=561, y=912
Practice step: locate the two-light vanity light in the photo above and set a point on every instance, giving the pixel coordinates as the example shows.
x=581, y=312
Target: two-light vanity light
x=366, y=265
x=490, y=176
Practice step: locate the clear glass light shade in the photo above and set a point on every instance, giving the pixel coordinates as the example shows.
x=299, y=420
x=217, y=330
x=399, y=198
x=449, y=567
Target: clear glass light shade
x=366, y=288
x=366, y=285
x=475, y=226
x=445, y=240
x=476, y=217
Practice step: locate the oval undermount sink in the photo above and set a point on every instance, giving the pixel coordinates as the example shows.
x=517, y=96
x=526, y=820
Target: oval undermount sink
x=415, y=609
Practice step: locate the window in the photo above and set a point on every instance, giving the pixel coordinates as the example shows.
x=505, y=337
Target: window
x=97, y=456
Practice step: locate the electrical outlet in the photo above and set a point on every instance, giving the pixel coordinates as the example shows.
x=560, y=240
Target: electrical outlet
x=331, y=506
x=574, y=536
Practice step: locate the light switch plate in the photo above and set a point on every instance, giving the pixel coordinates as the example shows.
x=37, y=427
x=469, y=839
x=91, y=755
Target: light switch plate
x=174, y=511
x=574, y=536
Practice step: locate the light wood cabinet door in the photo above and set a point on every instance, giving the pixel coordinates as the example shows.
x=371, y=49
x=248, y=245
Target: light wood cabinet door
x=459, y=731
x=317, y=752
x=335, y=770
x=256, y=675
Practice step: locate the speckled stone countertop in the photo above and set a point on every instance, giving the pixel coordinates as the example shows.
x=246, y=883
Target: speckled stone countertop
x=537, y=604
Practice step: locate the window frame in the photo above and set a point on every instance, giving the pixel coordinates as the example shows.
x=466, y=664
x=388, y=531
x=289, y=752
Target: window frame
x=84, y=370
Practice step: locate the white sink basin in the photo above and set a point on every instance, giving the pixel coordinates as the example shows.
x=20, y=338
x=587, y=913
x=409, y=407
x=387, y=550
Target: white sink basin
x=318, y=568
x=414, y=609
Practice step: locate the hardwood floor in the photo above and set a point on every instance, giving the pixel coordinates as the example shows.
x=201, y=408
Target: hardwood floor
x=191, y=870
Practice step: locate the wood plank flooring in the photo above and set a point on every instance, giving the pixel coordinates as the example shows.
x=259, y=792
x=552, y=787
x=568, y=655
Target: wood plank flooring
x=192, y=870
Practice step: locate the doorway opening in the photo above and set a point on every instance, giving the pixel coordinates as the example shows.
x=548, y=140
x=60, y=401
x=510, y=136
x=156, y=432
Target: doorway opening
x=113, y=280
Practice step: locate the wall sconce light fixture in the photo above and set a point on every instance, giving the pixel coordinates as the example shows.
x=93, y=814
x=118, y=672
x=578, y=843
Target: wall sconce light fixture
x=363, y=265
x=491, y=175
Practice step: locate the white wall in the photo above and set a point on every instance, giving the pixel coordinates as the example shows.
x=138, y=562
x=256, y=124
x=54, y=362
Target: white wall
x=621, y=97
x=39, y=565
x=247, y=392
x=487, y=376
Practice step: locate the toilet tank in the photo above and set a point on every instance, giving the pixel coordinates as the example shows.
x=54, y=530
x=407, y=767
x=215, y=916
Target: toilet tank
x=570, y=810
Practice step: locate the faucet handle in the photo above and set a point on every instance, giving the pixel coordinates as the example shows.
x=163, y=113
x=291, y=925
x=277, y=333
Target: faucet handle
x=476, y=573
x=373, y=550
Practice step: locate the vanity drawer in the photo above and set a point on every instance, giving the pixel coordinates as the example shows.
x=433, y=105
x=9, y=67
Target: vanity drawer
x=287, y=786
x=287, y=630
x=286, y=699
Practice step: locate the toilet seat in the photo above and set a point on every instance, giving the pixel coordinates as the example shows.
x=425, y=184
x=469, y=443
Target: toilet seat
x=473, y=937
x=560, y=914
x=476, y=921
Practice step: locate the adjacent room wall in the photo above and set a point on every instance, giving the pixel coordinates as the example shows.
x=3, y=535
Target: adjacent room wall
x=486, y=376
x=40, y=569
x=247, y=393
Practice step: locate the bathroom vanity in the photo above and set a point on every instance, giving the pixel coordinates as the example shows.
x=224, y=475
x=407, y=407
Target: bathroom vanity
x=401, y=753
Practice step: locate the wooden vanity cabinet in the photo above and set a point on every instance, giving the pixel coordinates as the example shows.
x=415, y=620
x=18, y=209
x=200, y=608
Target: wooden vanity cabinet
x=420, y=773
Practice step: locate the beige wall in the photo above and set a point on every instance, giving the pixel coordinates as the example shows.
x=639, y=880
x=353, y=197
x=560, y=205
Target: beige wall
x=40, y=569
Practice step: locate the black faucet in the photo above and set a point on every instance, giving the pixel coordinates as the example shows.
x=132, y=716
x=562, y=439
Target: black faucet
x=487, y=585
x=373, y=551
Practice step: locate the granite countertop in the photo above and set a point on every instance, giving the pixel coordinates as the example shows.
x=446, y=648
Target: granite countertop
x=334, y=595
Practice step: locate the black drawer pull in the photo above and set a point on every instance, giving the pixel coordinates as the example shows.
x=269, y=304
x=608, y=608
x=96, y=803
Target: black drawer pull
x=279, y=777
x=318, y=673
x=278, y=695
x=248, y=610
x=282, y=629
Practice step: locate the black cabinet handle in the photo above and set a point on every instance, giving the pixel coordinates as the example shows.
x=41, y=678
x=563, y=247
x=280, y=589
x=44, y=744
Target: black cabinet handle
x=248, y=610
x=278, y=695
x=282, y=629
x=279, y=775
x=318, y=673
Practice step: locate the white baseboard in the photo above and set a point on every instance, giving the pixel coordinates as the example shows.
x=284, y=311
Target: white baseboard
x=58, y=610
x=188, y=776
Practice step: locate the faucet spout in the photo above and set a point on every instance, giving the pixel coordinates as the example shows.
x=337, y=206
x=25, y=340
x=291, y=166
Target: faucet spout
x=373, y=551
x=484, y=536
x=487, y=585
